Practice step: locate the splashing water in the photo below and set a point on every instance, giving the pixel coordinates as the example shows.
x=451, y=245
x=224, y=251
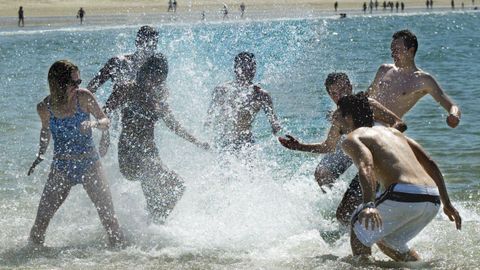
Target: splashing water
x=264, y=213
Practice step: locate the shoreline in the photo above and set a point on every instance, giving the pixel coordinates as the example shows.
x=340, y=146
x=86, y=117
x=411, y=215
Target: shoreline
x=192, y=16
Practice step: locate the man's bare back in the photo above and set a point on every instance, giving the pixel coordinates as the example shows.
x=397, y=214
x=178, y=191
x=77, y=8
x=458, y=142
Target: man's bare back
x=394, y=161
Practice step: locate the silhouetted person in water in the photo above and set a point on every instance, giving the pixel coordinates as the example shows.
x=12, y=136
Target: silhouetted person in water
x=20, y=17
x=123, y=68
x=143, y=103
x=335, y=6
x=453, y=4
x=235, y=105
x=225, y=12
x=397, y=5
x=80, y=15
x=364, y=7
x=402, y=6
x=242, y=9
x=170, y=6
x=174, y=6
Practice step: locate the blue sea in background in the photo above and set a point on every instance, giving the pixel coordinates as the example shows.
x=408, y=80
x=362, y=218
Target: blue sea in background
x=269, y=214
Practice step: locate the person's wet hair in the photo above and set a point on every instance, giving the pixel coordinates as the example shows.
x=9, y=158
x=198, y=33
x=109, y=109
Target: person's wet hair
x=335, y=77
x=244, y=60
x=155, y=67
x=359, y=108
x=59, y=78
x=409, y=38
x=146, y=33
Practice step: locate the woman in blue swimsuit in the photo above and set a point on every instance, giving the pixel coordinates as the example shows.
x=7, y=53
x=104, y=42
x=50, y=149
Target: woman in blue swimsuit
x=65, y=115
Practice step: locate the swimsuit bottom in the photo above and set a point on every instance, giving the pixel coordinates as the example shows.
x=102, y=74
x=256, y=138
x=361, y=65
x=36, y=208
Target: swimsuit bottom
x=75, y=169
x=405, y=209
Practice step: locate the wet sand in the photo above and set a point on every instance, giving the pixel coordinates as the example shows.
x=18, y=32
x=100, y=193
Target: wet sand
x=107, y=12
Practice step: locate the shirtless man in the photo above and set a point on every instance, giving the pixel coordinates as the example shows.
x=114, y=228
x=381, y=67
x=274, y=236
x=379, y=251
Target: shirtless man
x=235, y=104
x=123, y=69
x=335, y=162
x=401, y=85
x=413, y=183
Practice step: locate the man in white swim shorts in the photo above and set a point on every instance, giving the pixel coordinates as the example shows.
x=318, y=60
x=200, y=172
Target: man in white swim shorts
x=413, y=183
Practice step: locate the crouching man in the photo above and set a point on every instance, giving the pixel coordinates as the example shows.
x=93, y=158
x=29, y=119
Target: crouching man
x=413, y=184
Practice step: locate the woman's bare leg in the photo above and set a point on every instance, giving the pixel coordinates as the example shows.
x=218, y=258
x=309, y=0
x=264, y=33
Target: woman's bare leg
x=97, y=188
x=54, y=194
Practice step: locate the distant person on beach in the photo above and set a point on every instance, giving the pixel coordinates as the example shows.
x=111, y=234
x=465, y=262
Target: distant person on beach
x=235, y=105
x=65, y=115
x=431, y=3
x=175, y=6
x=81, y=14
x=399, y=86
x=143, y=102
x=123, y=69
x=242, y=9
x=170, y=6
x=452, y=3
x=412, y=182
x=225, y=11
x=384, y=5
x=335, y=162
x=370, y=6
x=335, y=6
x=364, y=7
x=376, y=4
x=203, y=15
x=397, y=5
x=21, y=19
x=427, y=3
x=402, y=5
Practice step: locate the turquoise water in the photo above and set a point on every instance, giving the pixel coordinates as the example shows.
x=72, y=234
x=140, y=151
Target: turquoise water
x=265, y=215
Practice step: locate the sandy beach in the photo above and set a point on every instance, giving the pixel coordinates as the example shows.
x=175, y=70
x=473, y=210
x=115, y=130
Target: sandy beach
x=49, y=8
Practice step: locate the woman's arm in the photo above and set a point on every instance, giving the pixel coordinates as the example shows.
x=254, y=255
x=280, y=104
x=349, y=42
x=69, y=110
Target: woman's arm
x=42, y=111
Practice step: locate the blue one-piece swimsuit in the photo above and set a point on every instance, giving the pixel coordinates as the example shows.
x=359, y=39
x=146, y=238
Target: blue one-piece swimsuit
x=74, y=152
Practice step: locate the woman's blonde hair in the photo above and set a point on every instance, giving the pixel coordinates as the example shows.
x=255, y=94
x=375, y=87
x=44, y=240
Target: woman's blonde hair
x=59, y=78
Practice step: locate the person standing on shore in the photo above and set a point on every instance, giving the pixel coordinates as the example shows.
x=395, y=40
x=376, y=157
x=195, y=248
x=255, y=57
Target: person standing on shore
x=81, y=14
x=412, y=182
x=65, y=116
x=335, y=6
x=225, y=11
x=399, y=86
x=21, y=19
x=174, y=6
x=170, y=6
x=242, y=9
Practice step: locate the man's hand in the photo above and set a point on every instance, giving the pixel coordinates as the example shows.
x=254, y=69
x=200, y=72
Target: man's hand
x=290, y=142
x=453, y=120
x=370, y=216
x=453, y=215
x=34, y=164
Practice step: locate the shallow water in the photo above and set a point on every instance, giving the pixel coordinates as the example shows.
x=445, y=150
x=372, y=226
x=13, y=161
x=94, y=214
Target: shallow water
x=268, y=214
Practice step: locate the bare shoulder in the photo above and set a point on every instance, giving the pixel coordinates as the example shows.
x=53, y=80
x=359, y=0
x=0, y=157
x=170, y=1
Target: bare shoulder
x=385, y=67
x=261, y=93
x=84, y=94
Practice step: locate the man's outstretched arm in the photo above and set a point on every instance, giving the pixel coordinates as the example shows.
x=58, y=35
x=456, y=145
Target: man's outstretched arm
x=434, y=89
x=103, y=75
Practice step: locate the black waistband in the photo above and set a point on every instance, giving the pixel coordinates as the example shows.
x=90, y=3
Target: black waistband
x=392, y=195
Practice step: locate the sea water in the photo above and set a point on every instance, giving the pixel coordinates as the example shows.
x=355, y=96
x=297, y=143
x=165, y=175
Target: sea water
x=267, y=213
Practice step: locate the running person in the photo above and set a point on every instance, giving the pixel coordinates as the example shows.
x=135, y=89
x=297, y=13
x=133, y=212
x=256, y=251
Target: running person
x=336, y=162
x=399, y=86
x=235, y=105
x=123, y=69
x=65, y=115
x=143, y=103
x=413, y=184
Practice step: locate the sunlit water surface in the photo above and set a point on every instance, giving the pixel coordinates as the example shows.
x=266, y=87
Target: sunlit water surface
x=268, y=213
